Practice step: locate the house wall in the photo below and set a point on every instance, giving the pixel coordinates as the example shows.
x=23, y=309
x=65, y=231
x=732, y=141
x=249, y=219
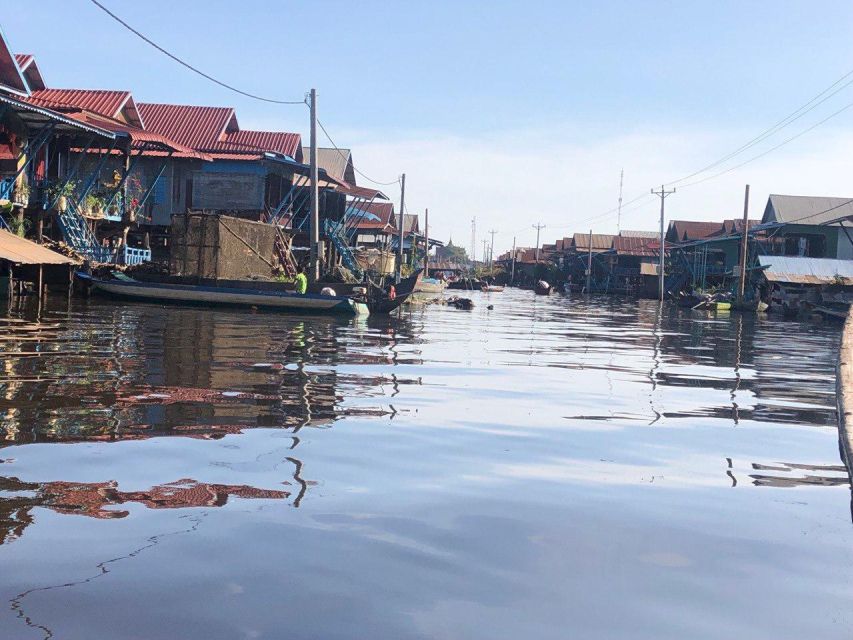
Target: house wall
x=229, y=185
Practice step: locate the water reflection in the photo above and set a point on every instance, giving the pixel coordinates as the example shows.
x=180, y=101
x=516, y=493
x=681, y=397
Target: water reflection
x=485, y=474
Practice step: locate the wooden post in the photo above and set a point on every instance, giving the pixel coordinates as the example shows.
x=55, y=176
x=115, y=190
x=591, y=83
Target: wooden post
x=40, y=283
x=744, y=247
x=512, y=272
x=589, y=265
x=314, y=271
x=426, y=248
x=402, y=220
x=844, y=393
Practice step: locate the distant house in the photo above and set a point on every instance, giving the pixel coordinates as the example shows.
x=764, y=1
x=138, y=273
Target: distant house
x=687, y=230
x=810, y=226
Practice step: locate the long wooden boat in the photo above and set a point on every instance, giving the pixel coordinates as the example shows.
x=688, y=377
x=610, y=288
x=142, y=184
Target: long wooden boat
x=492, y=288
x=170, y=293
x=381, y=301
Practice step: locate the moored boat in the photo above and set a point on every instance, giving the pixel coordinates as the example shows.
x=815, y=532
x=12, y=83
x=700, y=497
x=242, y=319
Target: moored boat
x=383, y=299
x=266, y=298
x=492, y=288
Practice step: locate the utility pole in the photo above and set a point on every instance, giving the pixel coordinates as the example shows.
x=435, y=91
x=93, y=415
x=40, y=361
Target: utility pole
x=314, y=195
x=485, y=250
x=492, y=250
x=589, y=265
x=619, y=212
x=512, y=272
x=662, y=194
x=400, y=237
x=426, y=249
x=473, y=240
x=538, y=228
x=744, y=244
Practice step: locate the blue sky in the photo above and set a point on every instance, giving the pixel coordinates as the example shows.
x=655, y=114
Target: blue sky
x=507, y=111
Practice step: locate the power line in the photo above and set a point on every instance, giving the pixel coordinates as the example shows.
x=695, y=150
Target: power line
x=784, y=122
x=343, y=155
x=187, y=64
x=764, y=153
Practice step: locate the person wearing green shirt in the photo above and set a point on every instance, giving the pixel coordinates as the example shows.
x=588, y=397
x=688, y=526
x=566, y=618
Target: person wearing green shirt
x=301, y=281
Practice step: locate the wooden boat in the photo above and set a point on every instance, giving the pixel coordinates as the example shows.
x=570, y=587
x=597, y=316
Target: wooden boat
x=492, y=288
x=266, y=298
x=431, y=286
x=380, y=301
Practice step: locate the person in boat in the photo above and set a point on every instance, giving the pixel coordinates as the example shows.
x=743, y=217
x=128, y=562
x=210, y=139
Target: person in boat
x=301, y=281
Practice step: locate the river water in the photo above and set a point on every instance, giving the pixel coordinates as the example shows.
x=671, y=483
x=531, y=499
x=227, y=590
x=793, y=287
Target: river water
x=550, y=468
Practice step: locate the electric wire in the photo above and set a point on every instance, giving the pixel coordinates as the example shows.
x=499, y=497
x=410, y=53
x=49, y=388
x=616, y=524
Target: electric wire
x=343, y=155
x=183, y=63
x=778, y=126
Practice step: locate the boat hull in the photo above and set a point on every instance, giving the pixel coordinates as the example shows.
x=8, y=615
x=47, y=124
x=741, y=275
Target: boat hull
x=223, y=296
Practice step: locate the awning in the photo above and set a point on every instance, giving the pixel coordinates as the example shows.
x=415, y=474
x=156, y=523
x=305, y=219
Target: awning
x=19, y=250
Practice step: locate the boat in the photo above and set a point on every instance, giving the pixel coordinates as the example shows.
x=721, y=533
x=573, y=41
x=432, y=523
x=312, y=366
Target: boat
x=431, y=286
x=380, y=299
x=492, y=288
x=249, y=295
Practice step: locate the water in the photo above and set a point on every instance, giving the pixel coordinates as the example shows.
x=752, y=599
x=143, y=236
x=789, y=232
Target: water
x=550, y=468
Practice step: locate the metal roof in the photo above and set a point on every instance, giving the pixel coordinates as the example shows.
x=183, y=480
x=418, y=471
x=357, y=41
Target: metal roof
x=681, y=230
x=214, y=130
x=365, y=193
x=806, y=209
x=11, y=78
x=600, y=241
x=802, y=270
x=383, y=211
x=632, y=246
x=336, y=162
x=197, y=127
x=105, y=102
x=29, y=68
x=37, y=116
x=288, y=144
x=22, y=251
x=639, y=234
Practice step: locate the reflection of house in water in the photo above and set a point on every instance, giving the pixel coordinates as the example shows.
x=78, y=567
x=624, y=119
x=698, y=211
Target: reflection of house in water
x=94, y=499
x=181, y=371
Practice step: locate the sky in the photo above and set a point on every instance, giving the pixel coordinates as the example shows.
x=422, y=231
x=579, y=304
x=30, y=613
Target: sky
x=509, y=112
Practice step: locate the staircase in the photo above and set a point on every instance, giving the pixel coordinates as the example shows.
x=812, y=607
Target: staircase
x=335, y=232
x=79, y=237
x=284, y=252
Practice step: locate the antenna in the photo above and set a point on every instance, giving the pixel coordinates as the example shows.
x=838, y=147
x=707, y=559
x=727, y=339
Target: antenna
x=474, y=239
x=619, y=213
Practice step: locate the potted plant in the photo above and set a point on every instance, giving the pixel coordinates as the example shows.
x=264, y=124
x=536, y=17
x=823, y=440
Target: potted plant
x=59, y=192
x=94, y=205
x=21, y=193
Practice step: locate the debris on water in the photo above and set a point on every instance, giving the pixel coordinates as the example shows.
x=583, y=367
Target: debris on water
x=490, y=307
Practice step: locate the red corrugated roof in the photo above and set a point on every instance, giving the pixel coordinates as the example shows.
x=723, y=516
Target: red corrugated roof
x=197, y=127
x=631, y=246
x=104, y=102
x=288, y=144
x=681, y=230
x=382, y=210
x=23, y=60
x=215, y=130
